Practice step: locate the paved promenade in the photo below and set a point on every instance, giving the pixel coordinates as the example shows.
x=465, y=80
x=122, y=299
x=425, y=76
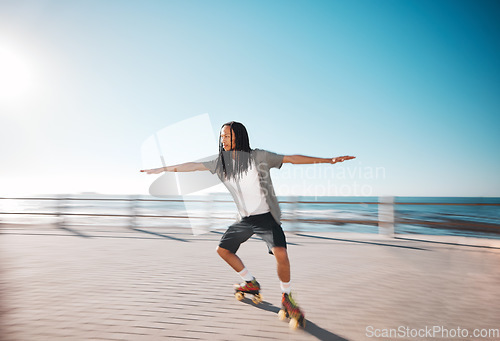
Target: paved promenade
x=114, y=283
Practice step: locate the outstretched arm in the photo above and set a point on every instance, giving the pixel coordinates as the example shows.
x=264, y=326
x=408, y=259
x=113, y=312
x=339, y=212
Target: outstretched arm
x=302, y=159
x=183, y=167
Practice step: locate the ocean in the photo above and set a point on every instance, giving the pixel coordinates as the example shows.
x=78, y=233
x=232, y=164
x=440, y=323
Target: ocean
x=459, y=216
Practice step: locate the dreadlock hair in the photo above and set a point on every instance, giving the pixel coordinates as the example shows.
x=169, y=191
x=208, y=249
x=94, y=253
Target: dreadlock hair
x=242, y=151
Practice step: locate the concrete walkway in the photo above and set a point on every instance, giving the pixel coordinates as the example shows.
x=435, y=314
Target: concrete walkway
x=113, y=283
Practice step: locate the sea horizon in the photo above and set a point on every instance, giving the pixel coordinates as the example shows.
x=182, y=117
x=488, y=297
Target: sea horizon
x=466, y=216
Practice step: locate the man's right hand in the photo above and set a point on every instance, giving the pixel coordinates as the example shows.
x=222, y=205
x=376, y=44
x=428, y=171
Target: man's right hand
x=154, y=170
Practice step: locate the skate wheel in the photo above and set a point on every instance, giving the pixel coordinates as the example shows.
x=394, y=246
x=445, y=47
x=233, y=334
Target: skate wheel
x=282, y=315
x=257, y=298
x=239, y=296
x=294, y=324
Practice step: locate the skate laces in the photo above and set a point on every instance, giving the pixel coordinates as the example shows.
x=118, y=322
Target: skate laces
x=250, y=285
x=254, y=284
x=288, y=297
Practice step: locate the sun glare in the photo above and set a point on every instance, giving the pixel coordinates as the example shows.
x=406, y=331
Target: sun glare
x=15, y=75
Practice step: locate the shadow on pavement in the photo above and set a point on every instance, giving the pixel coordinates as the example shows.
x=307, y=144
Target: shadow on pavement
x=361, y=242
x=161, y=235
x=75, y=232
x=311, y=327
x=447, y=243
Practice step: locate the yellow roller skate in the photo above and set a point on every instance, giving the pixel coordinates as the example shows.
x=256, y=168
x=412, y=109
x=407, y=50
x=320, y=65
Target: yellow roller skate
x=290, y=309
x=249, y=287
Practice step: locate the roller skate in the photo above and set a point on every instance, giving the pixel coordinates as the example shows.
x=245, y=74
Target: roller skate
x=249, y=287
x=290, y=309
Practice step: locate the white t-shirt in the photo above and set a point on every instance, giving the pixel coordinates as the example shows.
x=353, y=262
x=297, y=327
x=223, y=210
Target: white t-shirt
x=248, y=194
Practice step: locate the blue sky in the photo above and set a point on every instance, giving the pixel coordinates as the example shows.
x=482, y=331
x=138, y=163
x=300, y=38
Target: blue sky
x=409, y=87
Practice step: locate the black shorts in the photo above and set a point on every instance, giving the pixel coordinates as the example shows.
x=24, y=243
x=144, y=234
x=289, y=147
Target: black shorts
x=263, y=225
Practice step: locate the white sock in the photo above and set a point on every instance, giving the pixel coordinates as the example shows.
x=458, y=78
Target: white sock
x=245, y=275
x=286, y=287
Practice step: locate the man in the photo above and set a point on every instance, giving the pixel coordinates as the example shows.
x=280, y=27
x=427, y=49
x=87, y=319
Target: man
x=246, y=174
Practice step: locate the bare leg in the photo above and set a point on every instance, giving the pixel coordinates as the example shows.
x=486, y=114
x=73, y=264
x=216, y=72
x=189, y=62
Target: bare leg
x=283, y=263
x=231, y=259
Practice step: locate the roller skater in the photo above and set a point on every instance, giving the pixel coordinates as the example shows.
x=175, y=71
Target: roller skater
x=246, y=174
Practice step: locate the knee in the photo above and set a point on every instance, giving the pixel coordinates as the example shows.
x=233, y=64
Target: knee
x=223, y=252
x=281, y=254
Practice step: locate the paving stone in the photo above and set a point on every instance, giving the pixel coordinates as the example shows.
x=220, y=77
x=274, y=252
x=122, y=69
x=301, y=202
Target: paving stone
x=129, y=285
